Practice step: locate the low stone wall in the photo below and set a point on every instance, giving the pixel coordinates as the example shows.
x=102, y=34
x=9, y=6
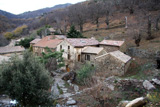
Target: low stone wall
x=141, y=53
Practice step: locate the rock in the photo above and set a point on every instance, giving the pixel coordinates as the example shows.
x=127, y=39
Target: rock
x=156, y=81
x=70, y=99
x=147, y=85
x=138, y=102
x=66, y=95
x=71, y=102
x=58, y=105
x=69, y=76
x=123, y=103
x=76, y=88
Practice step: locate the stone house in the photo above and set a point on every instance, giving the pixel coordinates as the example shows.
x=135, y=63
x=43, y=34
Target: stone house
x=10, y=50
x=113, y=45
x=47, y=41
x=90, y=53
x=73, y=48
x=34, y=41
x=113, y=63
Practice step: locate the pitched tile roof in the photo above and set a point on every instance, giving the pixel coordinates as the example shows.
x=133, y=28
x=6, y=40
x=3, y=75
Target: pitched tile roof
x=48, y=41
x=35, y=41
x=92, y=50
x=10, y=49
x=121, y=56
x=81, y=42
x=60, y=36
x=111, y=42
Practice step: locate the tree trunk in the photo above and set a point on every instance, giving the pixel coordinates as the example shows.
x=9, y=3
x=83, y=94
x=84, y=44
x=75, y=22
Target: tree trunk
x=149, y=28
x=97, y=23
x=126, y=22
x=157, y=27
x=107, y=19
x=81, y=27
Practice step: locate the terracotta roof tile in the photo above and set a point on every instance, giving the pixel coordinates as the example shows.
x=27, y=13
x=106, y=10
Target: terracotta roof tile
x=35, y=41
x=48, y=41
x=81, y=42
x=13, y=49
x=111, y=42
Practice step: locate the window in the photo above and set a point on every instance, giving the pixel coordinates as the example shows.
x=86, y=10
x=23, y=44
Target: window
x=60, y=47
x=68, y=47
x=87, y=57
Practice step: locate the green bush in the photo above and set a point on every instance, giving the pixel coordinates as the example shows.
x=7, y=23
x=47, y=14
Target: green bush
x=84, y=74
x=25, y=42
x=26, y=80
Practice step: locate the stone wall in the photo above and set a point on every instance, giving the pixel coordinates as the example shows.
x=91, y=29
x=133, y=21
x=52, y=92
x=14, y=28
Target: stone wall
x=109, y=48
x=141, y=53
x=12, y=53
x=38, y=50
x=114, y=48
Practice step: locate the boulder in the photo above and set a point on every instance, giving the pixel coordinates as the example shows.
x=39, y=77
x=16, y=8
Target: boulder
x=148, y=85
x=156, y=81
x=138, y=102
x=123, y=103
x=69, y=76
x=76, y=88
x=71, y=102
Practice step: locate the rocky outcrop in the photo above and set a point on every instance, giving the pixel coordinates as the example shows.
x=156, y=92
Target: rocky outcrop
x=138, y=102
x=156, y=81
x=69, y=76
x=148, y=85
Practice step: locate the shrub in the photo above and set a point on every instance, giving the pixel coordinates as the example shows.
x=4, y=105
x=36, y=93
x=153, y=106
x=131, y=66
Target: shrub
x=84, y=74
x=25, y=80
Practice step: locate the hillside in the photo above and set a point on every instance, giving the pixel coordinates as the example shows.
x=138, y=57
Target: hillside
x=36, y=13
x=7, y=14
x=33, y=14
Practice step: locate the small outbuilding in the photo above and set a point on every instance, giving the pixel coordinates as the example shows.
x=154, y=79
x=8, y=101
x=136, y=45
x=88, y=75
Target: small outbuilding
x=8, y=51
x=34, y=41
x=114, y=63
x=113, y=45
x=90, y=53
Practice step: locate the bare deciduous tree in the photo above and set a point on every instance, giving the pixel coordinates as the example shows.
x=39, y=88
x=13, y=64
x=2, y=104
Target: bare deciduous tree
x=78, y=15
x=108, y=9
x=95, y=11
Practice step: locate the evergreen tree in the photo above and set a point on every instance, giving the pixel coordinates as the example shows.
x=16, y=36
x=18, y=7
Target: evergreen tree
x=25, y=42
x=73, y=33
x=52, y=60
x=25, y=80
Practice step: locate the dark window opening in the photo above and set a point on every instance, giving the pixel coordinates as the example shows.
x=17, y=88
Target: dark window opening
x=79, y=57
x=68, y=56
x=60, y=47
x=68, y=47
x=87, y=57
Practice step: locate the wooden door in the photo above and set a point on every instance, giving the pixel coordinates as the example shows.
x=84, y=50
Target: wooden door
x=67, y=68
